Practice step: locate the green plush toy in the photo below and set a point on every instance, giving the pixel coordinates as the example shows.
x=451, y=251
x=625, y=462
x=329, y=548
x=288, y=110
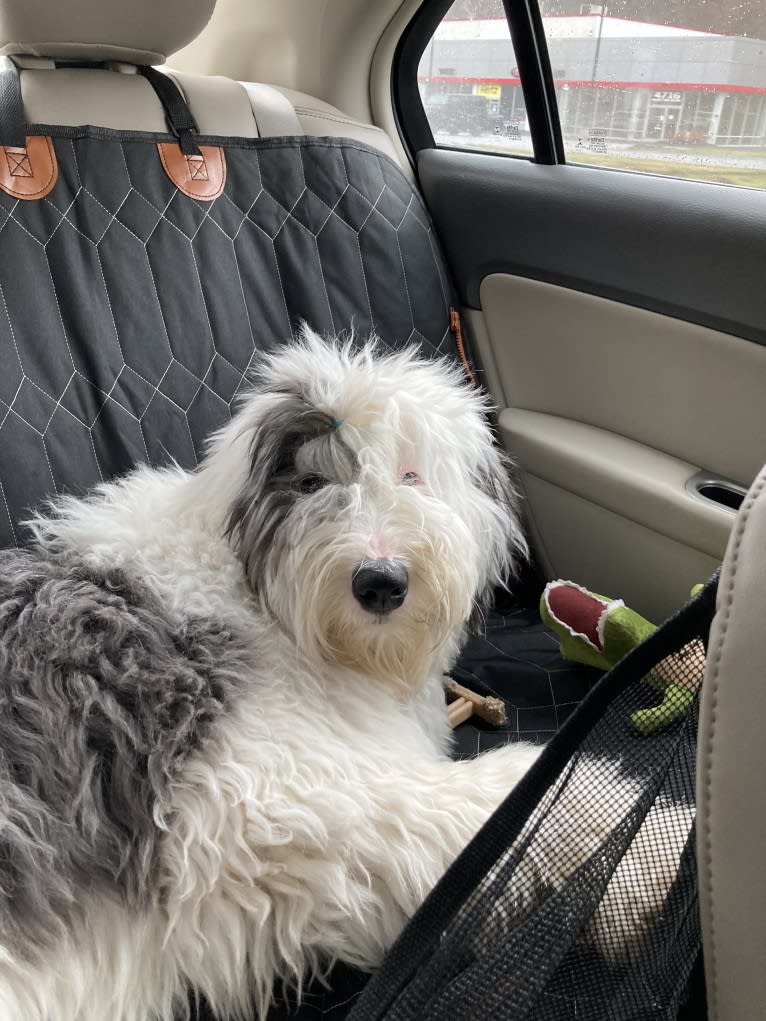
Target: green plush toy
x=599, y=631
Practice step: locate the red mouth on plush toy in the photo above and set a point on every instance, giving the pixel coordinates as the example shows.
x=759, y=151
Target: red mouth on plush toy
x=578, y=611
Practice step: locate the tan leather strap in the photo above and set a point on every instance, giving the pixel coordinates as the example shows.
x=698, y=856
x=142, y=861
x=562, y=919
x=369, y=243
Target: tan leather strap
x=30, y=171
x=201, y=176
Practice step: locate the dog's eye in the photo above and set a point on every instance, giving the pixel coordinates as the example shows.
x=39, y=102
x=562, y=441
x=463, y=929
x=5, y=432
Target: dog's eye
x=311, y=483
x=410, y=479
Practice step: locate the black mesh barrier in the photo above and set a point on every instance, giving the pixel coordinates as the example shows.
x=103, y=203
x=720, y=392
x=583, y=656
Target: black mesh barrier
x=578, y=899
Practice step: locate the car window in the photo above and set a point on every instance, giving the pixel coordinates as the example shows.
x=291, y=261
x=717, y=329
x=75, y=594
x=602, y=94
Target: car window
x=469, y=81
x=677, y=89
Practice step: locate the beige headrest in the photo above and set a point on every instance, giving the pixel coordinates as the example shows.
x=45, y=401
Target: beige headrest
x=134, y=31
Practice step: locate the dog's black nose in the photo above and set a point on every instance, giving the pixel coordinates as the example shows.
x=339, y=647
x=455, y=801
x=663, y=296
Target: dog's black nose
x=379, y=586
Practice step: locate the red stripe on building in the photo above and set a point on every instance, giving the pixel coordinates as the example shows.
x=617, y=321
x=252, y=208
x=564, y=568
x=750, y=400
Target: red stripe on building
x=605, y=17
x=586, y=83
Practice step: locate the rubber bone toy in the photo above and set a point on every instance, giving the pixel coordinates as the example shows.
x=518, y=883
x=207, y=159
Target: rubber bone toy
x=599, y=631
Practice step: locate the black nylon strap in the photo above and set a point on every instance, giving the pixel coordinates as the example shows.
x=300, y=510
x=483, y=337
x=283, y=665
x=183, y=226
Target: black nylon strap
x=13, y=125
x=178, y=115
x=12, y=122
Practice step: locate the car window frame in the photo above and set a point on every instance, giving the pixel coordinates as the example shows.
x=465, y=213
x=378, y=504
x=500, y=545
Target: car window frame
x=525, y=26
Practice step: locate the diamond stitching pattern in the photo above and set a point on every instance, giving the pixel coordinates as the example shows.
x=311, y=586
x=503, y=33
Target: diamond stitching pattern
x=540, y=690
x=130, y=315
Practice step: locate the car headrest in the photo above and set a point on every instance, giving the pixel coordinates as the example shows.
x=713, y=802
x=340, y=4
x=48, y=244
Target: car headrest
x=138, y=32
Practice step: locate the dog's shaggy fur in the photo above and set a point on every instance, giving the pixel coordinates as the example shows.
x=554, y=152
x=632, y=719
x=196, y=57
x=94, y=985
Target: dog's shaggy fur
x=217, y=768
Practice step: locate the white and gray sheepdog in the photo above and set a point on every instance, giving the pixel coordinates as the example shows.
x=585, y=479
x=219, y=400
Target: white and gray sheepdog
x=223, y=741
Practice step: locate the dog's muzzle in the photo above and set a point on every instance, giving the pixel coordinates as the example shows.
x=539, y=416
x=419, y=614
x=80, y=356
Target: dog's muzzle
x=379, y=586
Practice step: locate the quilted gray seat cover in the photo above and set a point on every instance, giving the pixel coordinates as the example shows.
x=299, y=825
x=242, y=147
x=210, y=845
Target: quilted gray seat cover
x=131, y=313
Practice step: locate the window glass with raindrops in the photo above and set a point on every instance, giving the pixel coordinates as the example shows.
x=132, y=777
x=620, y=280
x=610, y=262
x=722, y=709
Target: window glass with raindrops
x=669, y=87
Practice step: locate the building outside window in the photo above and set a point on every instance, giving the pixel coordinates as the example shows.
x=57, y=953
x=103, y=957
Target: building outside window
x=624, y=86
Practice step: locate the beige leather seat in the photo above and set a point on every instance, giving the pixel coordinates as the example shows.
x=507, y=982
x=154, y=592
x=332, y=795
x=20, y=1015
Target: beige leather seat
x=731, y=777
x=115, y=96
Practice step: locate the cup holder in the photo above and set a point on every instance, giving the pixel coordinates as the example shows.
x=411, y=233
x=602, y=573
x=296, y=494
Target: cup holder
x=722, y=492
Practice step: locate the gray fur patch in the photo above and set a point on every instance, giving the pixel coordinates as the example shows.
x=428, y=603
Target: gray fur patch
x=277, y=479
x=102, y=697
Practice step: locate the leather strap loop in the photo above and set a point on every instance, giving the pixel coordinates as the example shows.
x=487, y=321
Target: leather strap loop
x=30, y=170
x=201, y=176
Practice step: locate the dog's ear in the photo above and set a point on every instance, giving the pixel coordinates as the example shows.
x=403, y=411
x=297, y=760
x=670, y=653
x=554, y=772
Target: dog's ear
x=508, y=547
x=273, y=483
x=268, y=492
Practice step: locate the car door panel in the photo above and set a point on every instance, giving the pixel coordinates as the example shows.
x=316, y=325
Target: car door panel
x=690, y=249
x=621, y=332
x=694, y=393
x=603, y=508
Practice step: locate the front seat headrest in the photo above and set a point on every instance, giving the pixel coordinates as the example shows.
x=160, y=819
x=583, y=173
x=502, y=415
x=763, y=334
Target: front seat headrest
x=136, y=32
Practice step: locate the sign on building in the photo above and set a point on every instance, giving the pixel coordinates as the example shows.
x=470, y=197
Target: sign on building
x=488, y=91
x=666, y=97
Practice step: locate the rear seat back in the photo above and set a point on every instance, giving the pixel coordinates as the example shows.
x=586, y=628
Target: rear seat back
x=142, y=268
x=731, y=822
